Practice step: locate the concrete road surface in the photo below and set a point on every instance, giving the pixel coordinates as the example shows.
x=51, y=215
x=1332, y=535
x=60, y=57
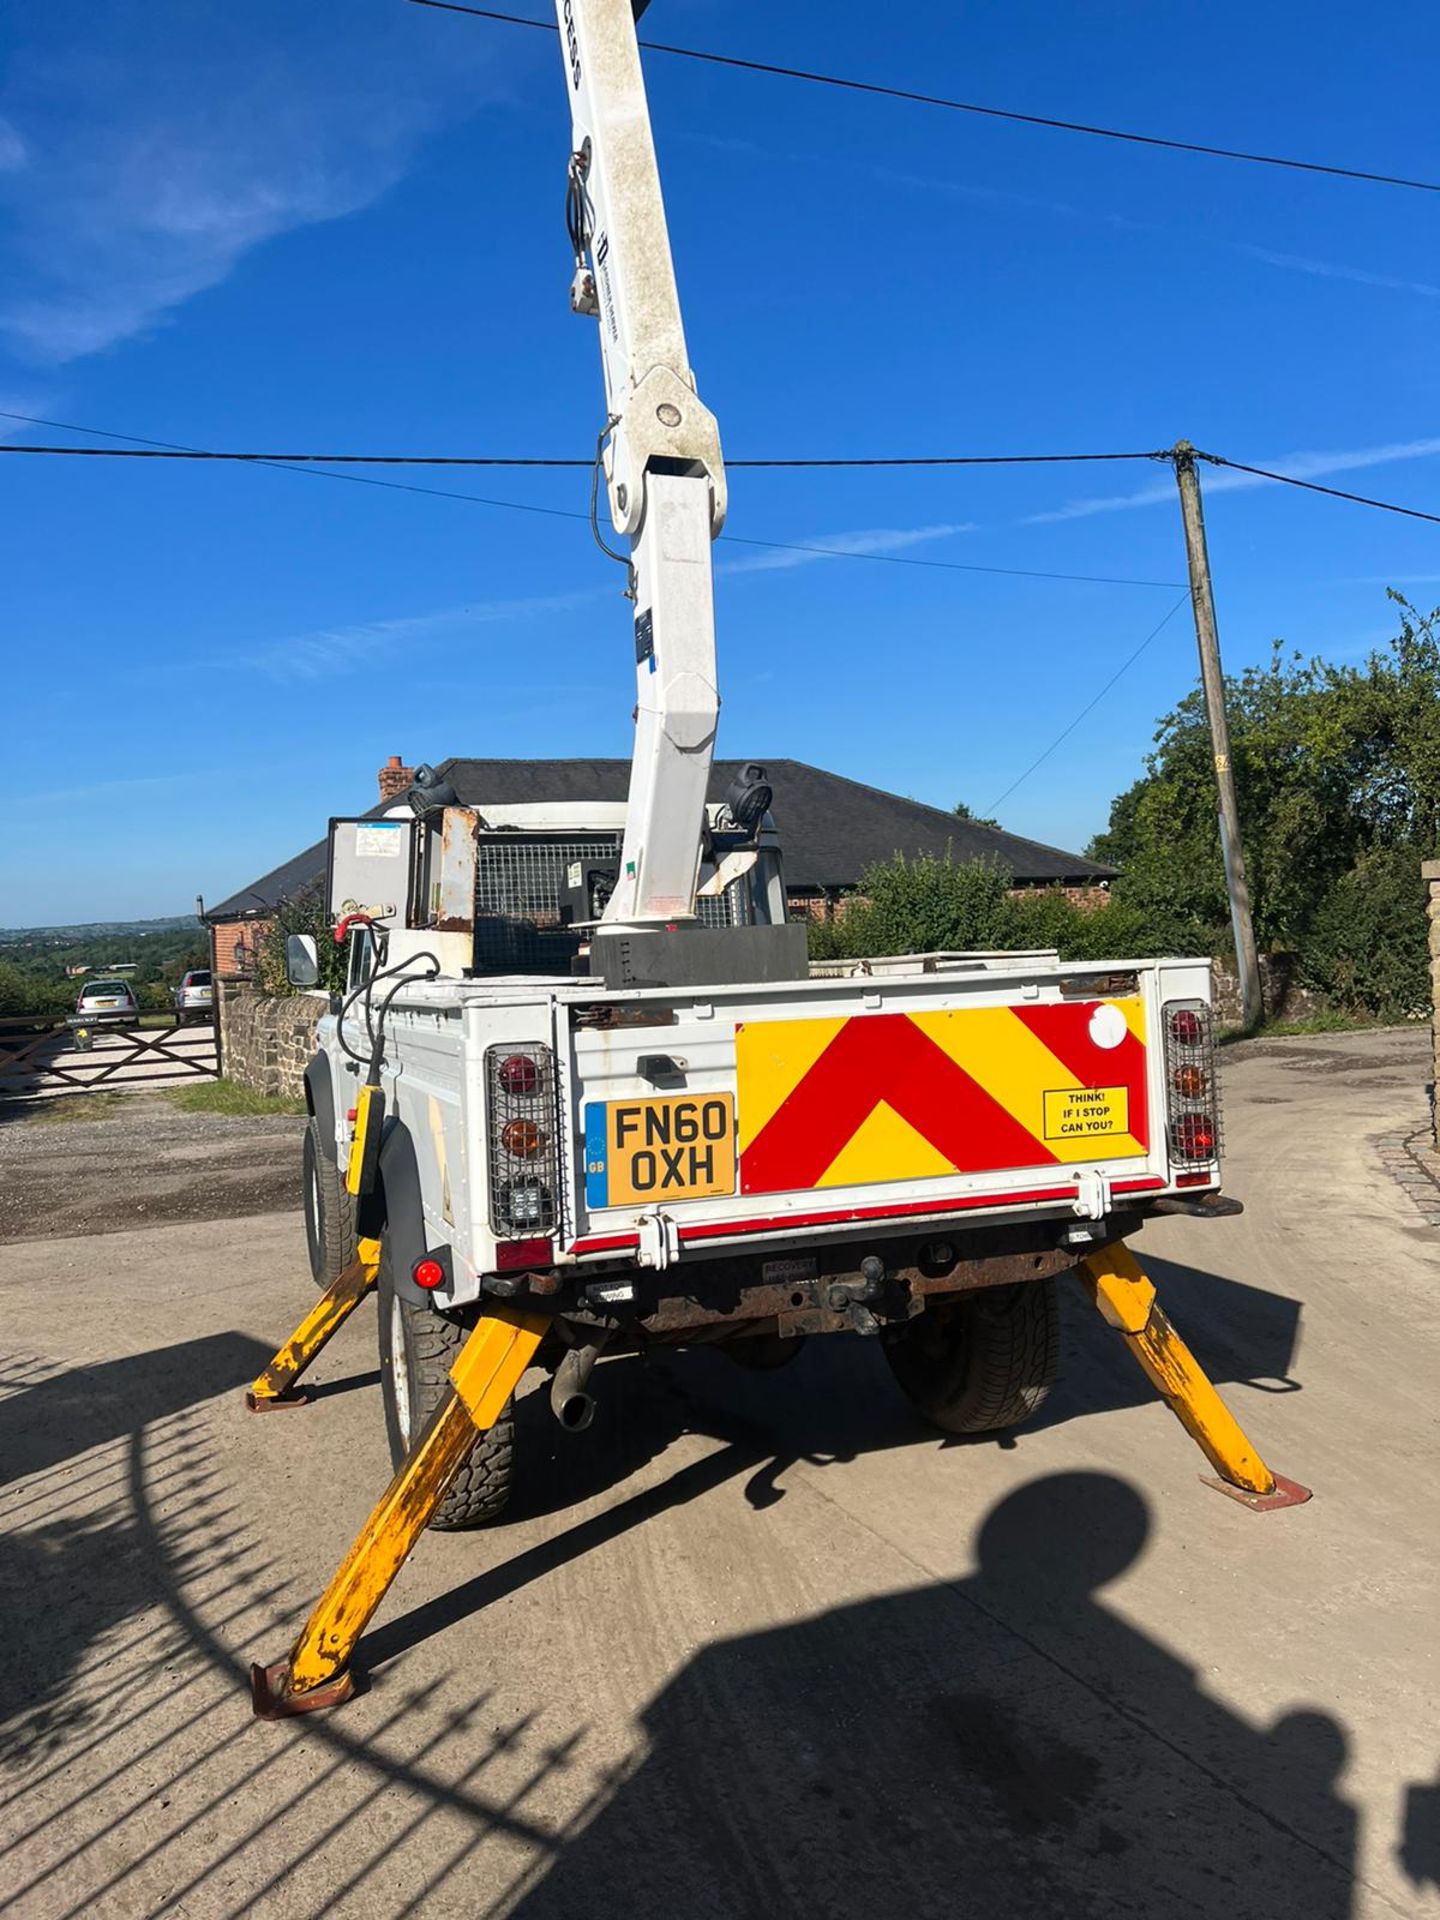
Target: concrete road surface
x=756, y=1645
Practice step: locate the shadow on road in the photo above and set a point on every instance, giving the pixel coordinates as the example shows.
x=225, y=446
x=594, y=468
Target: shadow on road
x=1001, y=1745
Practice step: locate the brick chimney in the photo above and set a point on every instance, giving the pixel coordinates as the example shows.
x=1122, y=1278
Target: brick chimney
x=395, y=779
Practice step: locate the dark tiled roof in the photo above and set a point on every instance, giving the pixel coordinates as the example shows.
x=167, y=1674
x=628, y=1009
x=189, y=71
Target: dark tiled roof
x=831, y=828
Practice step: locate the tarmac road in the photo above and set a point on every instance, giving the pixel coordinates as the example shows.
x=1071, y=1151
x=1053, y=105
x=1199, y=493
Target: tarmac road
x=756, y=1645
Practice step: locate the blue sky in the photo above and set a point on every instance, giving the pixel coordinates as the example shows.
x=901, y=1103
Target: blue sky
x=338, y=225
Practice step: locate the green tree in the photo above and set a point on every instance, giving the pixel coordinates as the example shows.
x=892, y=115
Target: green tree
x=1337, y=772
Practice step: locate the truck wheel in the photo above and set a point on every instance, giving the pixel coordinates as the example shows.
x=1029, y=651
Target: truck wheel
x=329, y=1210
x=983, y=1361
x=418, y=1347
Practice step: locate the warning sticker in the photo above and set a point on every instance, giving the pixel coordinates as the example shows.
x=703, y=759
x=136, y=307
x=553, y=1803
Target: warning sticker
x=1079, y=1113
x=380, y=842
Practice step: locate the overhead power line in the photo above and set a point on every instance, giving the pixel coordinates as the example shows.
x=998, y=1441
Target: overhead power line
x=161, y=447
x=1313, y=486
x=159, y=451
x=1090, y=706
x=320, y=462
x=874, y=87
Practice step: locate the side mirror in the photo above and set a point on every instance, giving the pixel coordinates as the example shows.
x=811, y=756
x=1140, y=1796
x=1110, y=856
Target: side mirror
x=302, y=960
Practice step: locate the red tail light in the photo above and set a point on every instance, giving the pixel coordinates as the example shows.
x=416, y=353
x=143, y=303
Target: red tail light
x=519, y=1076
x=1192, y=1088
x=1187, y=1027
x=1193, y=1137
x=428, y=1274
x=520, y=1110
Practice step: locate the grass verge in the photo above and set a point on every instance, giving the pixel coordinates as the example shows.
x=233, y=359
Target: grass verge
x=228, y=1096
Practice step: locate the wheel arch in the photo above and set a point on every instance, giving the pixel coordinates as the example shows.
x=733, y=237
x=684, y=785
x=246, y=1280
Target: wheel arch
x=320, y=1097
x=395, y=1210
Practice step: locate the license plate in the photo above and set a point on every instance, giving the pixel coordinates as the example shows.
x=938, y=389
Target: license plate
x=640, y=1152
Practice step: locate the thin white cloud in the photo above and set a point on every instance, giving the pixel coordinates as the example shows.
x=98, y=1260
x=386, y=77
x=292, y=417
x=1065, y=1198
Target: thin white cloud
x=13, y=152
x=1298, y=466
x=325, y=652
x=165, y=143
x=1329, y=270
x=871, y=540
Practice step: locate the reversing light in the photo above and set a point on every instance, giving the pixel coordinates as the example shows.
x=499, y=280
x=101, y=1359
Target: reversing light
x=428, y=1274
x=522, y=1139
x=519, y=1075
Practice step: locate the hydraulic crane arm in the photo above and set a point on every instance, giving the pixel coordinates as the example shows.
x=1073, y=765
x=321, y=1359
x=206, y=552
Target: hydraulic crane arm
x=663, y=469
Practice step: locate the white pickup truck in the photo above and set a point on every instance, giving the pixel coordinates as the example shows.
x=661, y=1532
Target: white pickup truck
x=912, y=1148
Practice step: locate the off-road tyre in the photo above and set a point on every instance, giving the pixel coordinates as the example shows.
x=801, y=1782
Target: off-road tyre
x=330, y=1237
x=983, y=1361
x=425, y=1345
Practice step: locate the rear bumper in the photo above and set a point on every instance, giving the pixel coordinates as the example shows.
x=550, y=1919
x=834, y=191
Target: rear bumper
x=787, y=1226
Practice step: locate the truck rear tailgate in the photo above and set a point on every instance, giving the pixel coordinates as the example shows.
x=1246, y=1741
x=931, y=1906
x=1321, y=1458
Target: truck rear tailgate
x=798, y=1108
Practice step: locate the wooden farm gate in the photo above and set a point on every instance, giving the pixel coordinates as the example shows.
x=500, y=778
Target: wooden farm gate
x=39, y=1061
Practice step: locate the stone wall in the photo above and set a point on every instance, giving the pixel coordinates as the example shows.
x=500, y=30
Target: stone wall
x=1284, y=997
x=267, y=1043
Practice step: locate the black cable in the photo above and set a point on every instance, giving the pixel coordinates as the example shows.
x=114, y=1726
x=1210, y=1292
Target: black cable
x=375, y=1023
x=159, y=450
x=566, y=513
x=1060, y=738
x=967, y=106
x=1313, y=486
x=311, y=459
x=600, y=541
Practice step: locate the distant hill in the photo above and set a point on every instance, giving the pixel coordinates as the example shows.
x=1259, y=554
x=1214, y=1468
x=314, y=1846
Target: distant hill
x=98, y=929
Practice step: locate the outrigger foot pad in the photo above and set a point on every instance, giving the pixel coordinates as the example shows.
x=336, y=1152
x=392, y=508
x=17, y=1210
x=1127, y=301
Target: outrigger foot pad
x=1285, y=1493
x=271, y=1699
x=276, y=1402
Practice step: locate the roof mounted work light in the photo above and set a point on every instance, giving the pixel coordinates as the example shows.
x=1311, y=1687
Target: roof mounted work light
x=748, y=797
x=430, y=791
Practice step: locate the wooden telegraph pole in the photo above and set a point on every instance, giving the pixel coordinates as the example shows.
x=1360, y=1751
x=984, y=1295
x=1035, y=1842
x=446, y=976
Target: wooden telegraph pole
x=1213, y=682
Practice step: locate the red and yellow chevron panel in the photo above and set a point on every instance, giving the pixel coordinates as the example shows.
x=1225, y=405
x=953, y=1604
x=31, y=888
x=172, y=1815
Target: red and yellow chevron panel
x=894, y=1096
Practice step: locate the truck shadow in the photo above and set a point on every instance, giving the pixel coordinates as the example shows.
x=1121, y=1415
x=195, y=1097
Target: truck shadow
x=999, y=1745
x=837, y=1399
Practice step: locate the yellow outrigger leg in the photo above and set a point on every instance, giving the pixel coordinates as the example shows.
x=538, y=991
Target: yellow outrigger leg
x=275, y=1387
x=488, y=1370
x=1126, y=1297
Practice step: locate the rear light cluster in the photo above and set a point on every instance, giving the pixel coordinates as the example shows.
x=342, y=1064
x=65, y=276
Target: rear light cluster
x=1192, y=1087
x=520, y=1108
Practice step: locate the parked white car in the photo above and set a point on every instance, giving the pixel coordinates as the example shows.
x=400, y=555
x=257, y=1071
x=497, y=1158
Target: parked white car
x=195, y=995
x=107, y=1002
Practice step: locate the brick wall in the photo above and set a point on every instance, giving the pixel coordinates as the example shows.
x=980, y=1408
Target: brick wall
x=226, y=937
x=267, y=1043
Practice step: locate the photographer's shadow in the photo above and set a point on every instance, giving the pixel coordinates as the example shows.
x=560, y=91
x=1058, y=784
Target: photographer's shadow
x=1002, y=1745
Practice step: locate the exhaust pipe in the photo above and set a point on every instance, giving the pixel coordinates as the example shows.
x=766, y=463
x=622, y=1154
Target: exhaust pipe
x=571, y=1405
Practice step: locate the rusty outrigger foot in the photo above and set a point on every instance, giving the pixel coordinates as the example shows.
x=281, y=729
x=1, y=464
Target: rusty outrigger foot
x=1285, y=1493
x=276, y=1386
x=486, y=1372
x=275, y=1402
x=272, y=1699
x=1125, y=1297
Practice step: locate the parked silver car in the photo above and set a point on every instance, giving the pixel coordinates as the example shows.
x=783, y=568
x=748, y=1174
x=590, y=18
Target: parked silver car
x=107, y=1002
x=195, y=995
